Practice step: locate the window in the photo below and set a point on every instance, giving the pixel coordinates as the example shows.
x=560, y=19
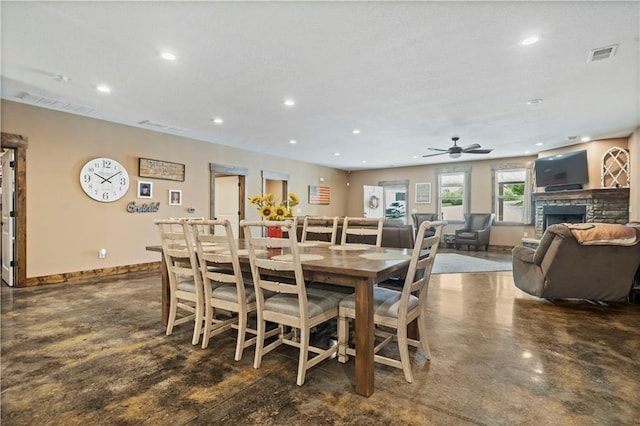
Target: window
x=395, y=199
x=453, y=194
x=512, y=194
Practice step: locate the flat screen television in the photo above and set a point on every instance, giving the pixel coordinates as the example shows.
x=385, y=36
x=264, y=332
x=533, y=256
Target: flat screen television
x=562, y=169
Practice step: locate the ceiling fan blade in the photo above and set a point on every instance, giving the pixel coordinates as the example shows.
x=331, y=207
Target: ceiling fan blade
x=478, y=151
x=470, y=147
x=438, y=149
x=439, y=153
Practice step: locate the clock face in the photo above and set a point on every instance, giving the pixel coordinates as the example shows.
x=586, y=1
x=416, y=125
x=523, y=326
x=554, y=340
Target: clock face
x=104, y=179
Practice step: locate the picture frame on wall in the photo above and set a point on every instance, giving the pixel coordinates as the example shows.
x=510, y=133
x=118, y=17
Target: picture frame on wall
x=145, y=189
x=175, y=197
x=423, y=193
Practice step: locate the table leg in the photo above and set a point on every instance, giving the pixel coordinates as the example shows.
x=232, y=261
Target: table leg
x=166, y=292
x=364, y=338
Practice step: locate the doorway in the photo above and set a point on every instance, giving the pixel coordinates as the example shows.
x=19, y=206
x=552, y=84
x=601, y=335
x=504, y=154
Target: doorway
x=395, y=199
x=276, y=184
x=228, y=184
x=14, y=219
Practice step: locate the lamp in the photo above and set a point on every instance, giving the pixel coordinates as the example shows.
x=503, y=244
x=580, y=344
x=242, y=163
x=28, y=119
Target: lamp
x=455, y=154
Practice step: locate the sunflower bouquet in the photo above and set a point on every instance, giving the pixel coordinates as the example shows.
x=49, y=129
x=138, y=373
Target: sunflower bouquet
x=269, y=210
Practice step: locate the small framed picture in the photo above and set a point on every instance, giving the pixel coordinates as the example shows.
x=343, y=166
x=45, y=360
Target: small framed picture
x=145, y=189
x=175, y=197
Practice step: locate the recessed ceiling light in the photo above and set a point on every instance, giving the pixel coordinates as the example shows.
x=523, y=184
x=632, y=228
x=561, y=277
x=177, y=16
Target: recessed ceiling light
x=539, y=144
x=218, y=120
x=289, y=102
x=293, y=141
x=530, y=40
x=527, y=152
x=415, y=156
x=103, y=88
x=168, y=56
x=535, y=101
x=356, y=131
x=364, y=161
x=585, y=139
x=337, y=154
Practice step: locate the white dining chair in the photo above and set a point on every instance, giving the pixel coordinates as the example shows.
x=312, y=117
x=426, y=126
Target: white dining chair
x=394, y=309
x=185, y=284
x=292, y=305
x=315, y=227
x=362, y=230
x=225, y=290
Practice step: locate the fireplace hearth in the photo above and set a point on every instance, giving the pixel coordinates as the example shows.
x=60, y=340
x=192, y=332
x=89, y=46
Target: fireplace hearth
x=607, y=205
x=563, y=214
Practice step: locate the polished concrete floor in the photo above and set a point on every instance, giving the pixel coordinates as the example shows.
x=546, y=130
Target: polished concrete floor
x=96, y=353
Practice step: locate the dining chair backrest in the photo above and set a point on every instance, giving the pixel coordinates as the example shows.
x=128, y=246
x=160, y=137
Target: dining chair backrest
x=259, y=247
x=419, y=272
x=320, y=225
x=363, y=230
x=217, y=255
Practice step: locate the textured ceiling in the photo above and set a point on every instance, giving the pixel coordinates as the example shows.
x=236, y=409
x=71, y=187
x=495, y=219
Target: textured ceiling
x=409, y=75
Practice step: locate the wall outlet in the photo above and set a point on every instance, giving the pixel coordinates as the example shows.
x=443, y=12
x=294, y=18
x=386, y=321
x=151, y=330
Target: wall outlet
x=102, y=253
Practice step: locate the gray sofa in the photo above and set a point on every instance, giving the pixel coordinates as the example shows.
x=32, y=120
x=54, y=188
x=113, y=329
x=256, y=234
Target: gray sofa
x=563, y=268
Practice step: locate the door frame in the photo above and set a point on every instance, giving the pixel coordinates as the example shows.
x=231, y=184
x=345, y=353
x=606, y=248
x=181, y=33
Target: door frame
x=242, y=173
x=19, y=144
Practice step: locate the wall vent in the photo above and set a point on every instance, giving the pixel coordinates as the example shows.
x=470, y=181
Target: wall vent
x=48, y=102
x=602, y=53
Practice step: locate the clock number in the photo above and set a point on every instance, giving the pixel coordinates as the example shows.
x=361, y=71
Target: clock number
x=123, y=180
x=87, y=178
x=106, y=164
x=105, y=195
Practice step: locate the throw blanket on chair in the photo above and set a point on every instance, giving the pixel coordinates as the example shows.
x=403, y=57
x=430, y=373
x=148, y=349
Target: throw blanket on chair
x=603, y=234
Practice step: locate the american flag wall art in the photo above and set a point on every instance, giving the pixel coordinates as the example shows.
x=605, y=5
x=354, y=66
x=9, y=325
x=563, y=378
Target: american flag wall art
x=319, y=194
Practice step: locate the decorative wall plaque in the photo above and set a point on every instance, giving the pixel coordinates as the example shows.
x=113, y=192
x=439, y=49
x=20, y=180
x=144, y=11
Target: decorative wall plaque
x=159, y=169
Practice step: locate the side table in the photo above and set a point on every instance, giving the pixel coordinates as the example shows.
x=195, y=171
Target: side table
x=450, y=239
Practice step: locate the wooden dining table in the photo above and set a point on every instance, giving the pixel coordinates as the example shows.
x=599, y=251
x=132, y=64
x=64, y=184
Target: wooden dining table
x=361, y=268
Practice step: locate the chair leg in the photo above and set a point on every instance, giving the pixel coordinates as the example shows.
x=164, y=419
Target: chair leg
x=343, y=338
x=257, y=360
x=208, y=319
x=403, y=347
x=173, y=309
x=424, y=340
x=197, y=328
x=304, y=354
x=242, y=332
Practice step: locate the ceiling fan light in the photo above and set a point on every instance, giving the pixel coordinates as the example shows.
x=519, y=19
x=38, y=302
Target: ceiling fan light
x=455, y=155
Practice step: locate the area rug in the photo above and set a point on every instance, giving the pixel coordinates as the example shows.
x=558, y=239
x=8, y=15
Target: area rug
x=451, y=263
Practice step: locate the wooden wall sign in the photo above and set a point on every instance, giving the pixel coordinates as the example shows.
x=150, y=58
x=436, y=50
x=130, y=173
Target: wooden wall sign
x=158, y=169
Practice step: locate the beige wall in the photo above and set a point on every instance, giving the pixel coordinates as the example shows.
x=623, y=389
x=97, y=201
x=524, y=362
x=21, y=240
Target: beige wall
x=634, y=170
x=481, y=196
x=66, y=228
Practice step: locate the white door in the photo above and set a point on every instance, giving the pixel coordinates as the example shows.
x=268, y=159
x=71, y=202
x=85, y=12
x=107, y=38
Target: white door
x=227, y=192
x=373, y=206
x=8, y=222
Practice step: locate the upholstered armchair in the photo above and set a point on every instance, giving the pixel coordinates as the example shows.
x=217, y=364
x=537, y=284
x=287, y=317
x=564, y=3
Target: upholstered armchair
x=418, y=218
x=476, y=231
x=565, y=266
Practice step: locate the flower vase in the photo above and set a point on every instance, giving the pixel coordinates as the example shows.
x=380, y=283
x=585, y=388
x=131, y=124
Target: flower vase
x=274, y=231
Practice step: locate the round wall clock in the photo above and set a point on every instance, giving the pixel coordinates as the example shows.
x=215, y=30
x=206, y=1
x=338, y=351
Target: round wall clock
x=104, y=179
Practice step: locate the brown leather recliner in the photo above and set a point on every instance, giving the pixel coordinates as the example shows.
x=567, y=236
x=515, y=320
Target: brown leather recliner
x=563, y=268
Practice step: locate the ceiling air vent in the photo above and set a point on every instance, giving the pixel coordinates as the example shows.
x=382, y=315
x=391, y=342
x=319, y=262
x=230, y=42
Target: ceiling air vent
x=602, y=53
x=48, y=102
x=159, y=126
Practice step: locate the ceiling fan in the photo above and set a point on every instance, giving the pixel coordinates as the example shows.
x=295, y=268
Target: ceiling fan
x=456, y=151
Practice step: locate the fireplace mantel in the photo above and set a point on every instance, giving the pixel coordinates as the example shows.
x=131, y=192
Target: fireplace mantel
x=608, y=205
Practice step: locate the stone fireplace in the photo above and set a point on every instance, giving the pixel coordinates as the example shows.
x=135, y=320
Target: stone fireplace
x=610, y=205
